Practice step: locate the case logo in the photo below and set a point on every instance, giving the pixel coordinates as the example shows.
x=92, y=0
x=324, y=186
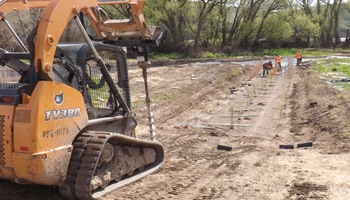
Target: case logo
x=58, y=97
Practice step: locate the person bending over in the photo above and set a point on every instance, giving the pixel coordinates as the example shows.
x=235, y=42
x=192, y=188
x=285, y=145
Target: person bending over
x=266, y=67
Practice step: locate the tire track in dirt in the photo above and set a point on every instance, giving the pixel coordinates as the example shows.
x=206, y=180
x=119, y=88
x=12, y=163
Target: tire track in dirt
x=313, y=171
x=193, y=168
x=191, y=182
x=189, y=73
x=193, y=92
x=193, y=160
x=247, y=181
x=190, y=166
x=166, y=98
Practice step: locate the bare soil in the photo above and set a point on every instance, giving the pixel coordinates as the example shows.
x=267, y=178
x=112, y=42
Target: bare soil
x=195, y=111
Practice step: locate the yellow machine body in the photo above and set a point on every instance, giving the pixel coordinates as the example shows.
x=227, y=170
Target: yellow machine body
x=41, y=131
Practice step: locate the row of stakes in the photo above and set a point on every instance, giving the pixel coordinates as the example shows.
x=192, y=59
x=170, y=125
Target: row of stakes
x=240, y=112
x=255, y=72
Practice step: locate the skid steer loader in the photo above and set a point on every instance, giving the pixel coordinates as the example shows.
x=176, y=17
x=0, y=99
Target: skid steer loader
x=65, y=108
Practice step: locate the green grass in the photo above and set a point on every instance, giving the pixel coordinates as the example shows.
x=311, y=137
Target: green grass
x=164, y=56
x=334, y=65
x=344, y=135
x=337, y=66
x=208, y=54
x=267, y=52
x=232, y=74
x=293, y=51
x=346, y=86
x=164, y=97
x=138, y=104
x=155, y=98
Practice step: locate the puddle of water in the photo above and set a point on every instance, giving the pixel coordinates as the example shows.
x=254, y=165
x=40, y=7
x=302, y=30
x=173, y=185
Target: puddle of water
x=244, y=63
x=335, y=79
x=209, y=63
x=342, y=63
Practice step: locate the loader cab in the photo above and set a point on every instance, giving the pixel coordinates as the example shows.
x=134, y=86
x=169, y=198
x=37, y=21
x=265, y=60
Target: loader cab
x=15, y=76
x=13, y=70
x=74, y=65
x=82, y=71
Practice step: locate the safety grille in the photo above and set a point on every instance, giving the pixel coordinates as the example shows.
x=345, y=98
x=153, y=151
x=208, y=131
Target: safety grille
x=101, y=96
x=2, y=142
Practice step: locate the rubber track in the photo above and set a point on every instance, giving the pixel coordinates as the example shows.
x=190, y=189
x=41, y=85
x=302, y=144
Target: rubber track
x=85, y=156
x=67, y=189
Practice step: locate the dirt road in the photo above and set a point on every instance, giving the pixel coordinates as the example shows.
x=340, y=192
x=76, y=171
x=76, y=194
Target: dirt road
x=195, y=111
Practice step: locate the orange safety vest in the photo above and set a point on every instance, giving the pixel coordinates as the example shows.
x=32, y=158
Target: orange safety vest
x=278, y=58
x=298, y=55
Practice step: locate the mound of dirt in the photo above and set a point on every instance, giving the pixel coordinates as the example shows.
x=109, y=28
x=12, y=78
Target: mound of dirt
x=320, y=113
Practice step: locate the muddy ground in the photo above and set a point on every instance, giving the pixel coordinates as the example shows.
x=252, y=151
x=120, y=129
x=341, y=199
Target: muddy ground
x=195, y=111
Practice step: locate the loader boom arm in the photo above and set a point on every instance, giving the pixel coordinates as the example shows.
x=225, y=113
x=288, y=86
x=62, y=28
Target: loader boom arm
x=58, y=13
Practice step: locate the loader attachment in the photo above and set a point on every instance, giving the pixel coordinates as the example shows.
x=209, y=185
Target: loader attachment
x=154, y=41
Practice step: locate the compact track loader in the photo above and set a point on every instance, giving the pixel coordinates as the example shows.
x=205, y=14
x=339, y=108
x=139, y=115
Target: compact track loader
x=65, y=108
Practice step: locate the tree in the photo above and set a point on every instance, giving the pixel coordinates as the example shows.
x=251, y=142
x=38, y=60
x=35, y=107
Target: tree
x=204, y=8
x=322, y=16
x=173, y=14
x=22, y=22
x=335, y=12
x=327, y=18
x=269, y=7
x=250, y=9
x=235, y=23
x=303, y=27
x=277, y=29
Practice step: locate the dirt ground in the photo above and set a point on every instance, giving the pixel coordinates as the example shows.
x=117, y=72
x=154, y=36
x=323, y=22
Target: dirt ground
x=195, y=111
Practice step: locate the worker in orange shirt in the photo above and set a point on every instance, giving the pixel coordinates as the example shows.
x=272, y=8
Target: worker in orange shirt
x=299, y=58
x=278, y=60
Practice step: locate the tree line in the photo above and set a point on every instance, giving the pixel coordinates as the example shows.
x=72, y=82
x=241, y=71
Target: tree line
x=227, y=26
x=248, y=25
